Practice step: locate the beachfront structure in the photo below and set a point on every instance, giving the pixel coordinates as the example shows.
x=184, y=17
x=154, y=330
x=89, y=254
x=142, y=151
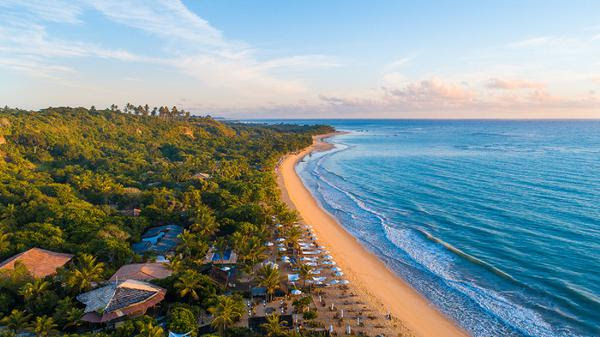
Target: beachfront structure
x=38, y=262
x=128, y=298
x=160, y=240
x=227, y=257
x=142, y=272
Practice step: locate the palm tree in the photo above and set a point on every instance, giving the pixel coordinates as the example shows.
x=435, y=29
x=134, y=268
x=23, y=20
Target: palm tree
x=4, y=243
x=150, y=330
x=176, y=263
x=269, y=277
x=305, y=272
x=87, y=272
x=187, y=285
x=226, y=313
x=32, y=289
x=73, y=317
x=16, y=321
x=44, y=326
x=274, y=326
x=253, y=251
x=293, y=236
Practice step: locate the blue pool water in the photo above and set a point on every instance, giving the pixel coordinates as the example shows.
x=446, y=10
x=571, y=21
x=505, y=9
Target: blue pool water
x=495, y=222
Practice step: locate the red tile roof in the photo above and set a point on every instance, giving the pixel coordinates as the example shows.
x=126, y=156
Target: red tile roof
x=142, y=272
x=39, y=262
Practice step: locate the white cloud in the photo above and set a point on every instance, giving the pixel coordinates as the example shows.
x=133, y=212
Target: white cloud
x=49, y=10
x=507, y=84
x=186, y=43
x=399, y=63
x=169, y=19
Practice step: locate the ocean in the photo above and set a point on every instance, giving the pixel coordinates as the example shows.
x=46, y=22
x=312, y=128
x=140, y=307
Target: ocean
x=497, y=223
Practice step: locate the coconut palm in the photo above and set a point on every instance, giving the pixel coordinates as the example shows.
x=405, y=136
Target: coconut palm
x=304, y=271
x=4, y=243
x=176, y=263
x=87, y=271
x=150, y=330
x=293, y=235
x=32, y=289
x=269, y=277
x=16, y=320
x=187, y=285
x=226, y=312
x=274, y=326
x=44, y=326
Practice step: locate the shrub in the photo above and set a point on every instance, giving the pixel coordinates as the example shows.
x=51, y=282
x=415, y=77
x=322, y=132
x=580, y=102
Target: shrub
x=182, y=320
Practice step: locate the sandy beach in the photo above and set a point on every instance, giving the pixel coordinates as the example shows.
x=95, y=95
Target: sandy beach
x=367, y=274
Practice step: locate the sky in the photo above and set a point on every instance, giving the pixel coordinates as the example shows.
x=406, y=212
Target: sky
x=306, y=59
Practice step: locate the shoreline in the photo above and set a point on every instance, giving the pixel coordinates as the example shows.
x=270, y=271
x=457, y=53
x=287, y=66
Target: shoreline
x=369, y=276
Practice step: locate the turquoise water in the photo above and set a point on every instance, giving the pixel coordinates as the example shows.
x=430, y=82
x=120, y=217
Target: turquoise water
x=495, y=222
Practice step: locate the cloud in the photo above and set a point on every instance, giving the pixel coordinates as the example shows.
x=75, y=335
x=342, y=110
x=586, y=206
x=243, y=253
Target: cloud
x=496, y=83
x=34, y=67
x=534, y=42
x=169, y=19
x=185, y=42
x=432, y=91
x=54, y=11
x=399, y=63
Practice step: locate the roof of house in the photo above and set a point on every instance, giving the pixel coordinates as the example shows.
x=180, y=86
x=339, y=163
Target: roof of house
x=227, y=257
x=39, y=262
x=118, y=299
x=162, y=239
x=142, y=272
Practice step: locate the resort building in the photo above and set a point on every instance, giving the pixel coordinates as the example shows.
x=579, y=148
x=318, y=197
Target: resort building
x=127, y=298
x=160, y=240
x=227, y=257
x=39, y=262
x=142, y=272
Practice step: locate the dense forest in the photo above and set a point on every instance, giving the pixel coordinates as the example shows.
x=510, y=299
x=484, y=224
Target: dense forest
x=70, y=179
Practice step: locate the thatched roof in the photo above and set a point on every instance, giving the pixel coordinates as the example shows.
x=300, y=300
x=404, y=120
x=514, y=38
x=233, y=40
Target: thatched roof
x=142, y=272
x=123, y=298
x=39, y=262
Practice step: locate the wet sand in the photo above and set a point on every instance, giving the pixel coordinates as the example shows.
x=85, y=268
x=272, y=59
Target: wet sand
x=369, y=277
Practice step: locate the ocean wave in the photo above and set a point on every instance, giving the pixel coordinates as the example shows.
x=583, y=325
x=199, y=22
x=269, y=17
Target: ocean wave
x=440, y=261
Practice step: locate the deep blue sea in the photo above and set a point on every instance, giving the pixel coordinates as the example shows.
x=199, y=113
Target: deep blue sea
x=496, y=222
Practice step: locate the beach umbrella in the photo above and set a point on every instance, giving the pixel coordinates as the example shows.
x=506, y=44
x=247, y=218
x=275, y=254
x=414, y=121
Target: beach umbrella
x=281, y=249
x=333, y=282
x=336, y=269
x=280, y=240
x=344, y=282
x=339, y=274
x=269, y=244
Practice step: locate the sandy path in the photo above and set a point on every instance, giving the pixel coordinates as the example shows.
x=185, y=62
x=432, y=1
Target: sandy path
x=367, y=274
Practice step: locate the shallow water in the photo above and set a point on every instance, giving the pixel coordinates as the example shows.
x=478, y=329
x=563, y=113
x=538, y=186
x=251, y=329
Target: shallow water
x=495, y=222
